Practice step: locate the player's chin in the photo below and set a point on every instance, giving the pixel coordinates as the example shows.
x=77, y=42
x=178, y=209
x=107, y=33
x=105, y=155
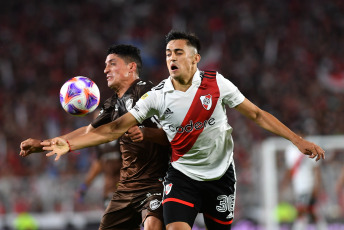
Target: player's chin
x=176, y=77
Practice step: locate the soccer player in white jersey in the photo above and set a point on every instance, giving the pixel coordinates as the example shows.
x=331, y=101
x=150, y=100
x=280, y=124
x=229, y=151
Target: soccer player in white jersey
x=305, y=178
x=191, y=107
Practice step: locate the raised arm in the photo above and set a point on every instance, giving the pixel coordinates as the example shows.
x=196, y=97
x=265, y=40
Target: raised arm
x=272, y=124
x=105, y=133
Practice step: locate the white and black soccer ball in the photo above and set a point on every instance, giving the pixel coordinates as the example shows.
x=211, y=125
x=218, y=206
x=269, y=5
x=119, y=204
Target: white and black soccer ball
x=79, y=96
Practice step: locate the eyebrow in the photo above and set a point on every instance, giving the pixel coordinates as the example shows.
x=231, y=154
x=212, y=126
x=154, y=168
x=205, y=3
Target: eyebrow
x=178, y=49
x=113, y=59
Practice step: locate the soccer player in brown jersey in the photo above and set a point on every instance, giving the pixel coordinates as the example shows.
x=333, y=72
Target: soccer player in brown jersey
x=144, y=163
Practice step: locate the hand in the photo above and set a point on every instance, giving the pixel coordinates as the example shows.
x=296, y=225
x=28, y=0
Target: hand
x=57, y=146
x=30, y=146
x=311, y=149
x=135, y=134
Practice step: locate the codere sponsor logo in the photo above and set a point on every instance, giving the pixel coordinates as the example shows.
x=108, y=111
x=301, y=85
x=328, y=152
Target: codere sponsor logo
x=192, y=126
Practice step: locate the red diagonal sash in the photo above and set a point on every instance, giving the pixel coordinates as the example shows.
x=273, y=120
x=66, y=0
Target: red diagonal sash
x=196, y=119
x=296, y=165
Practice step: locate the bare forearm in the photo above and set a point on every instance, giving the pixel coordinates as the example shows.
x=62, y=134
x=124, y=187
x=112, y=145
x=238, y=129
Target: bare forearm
x=266, y=120
x=75, y=133
x=95, y=137
x=272, y=124
x=104, y=133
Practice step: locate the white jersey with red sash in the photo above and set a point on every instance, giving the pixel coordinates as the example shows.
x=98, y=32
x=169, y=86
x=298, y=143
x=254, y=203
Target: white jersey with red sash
x=302, y=170
x=195, y=122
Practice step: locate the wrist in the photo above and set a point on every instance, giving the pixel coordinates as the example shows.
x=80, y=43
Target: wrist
x=69, y=147
x=296, y=140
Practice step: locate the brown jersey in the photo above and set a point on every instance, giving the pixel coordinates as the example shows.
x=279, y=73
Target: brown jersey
x=109, y=156
x=144, y=164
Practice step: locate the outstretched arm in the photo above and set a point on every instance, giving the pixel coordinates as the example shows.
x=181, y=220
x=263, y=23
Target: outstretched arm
x=105, y=133
x=32, y=145
x=272, y=124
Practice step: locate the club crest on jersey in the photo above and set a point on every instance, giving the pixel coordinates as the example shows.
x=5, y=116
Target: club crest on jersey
x=206, y=101
x=168, y=188
x=129, y=104
x=154, y=204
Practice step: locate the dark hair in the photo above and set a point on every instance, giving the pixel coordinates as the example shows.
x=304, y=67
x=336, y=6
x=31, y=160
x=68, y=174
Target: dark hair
x=192, y=39
x=128, y=53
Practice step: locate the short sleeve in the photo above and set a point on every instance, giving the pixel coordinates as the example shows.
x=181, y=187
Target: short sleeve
x=104, y=116
x=230, y=93
x=145, y=107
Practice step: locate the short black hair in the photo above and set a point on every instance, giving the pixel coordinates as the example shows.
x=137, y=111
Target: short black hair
x=128, y=53
x=191, y=38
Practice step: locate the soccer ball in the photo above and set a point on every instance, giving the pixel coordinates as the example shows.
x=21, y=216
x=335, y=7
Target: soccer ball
x=79, y=96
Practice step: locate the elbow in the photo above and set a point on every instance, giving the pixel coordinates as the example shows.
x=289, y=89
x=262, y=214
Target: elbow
x=258, y=116
x=254, y=116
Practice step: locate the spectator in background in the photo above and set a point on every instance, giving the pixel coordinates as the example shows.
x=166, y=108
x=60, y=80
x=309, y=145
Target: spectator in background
x=306, y=181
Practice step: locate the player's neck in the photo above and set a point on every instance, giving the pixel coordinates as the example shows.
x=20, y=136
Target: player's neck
x=182, y=83
x=181, y=87
x=121, y=92
x=122, y=89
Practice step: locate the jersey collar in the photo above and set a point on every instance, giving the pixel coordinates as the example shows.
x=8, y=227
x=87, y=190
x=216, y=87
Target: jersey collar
x=196, y=80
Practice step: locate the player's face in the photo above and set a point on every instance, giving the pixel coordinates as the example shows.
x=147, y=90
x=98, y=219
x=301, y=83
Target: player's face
x=181, y=59
x=116, y=70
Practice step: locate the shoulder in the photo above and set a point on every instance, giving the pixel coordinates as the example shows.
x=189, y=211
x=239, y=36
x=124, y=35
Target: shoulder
x=144, y=84
x=208, y=74
x=159, y=86
x=213, y=75
x=142, y=87
x=221, y=80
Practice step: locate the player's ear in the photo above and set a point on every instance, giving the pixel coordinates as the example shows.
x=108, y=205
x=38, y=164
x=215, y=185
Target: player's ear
x=132, y=66
x=196, y=58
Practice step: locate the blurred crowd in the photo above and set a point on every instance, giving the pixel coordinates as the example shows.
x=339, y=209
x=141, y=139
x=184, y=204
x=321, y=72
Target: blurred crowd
x=286, y=56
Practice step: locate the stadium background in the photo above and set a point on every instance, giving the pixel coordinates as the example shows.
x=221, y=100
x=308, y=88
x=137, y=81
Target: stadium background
x=286, y=56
